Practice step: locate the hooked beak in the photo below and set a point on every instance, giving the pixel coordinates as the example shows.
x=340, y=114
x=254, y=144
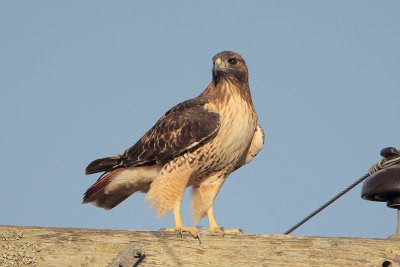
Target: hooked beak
x=217, y=66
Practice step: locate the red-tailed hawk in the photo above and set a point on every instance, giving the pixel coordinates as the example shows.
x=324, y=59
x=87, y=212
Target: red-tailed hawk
x=197, y=143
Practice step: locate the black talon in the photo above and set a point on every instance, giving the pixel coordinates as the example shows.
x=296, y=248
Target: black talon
x=222, y=231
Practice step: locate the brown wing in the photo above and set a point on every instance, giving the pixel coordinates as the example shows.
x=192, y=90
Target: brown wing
x=186, y=126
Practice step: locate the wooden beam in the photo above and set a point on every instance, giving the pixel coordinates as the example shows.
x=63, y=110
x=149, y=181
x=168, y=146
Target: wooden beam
x=42, y=246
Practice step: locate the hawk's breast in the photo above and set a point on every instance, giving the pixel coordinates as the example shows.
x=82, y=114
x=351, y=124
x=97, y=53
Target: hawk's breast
x=238, y=121
x=237, y=126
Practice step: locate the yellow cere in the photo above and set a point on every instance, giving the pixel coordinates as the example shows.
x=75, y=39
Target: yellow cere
x=218, y=61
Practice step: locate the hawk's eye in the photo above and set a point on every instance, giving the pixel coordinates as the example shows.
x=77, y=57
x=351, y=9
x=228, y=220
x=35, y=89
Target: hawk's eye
x=233, y=61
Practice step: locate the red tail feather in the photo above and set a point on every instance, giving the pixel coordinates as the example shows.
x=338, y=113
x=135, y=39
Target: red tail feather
x=99, y=185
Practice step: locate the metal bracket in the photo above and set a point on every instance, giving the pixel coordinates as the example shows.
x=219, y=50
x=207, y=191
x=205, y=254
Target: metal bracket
x=132, y=256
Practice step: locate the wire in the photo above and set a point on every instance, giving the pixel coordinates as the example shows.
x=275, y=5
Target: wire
x=326, y=204
x=383, y=164
x=386, y=162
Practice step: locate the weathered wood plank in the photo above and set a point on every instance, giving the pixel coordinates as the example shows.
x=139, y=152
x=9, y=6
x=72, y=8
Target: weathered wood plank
x=40, y=246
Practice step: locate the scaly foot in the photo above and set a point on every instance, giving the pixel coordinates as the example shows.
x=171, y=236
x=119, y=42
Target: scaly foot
x=214, y=228
x=183, y=229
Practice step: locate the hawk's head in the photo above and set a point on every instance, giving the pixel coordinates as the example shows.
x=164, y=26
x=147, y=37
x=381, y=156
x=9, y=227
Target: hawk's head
x=229, y=65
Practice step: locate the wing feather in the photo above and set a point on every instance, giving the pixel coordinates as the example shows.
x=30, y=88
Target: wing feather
x=184, y=127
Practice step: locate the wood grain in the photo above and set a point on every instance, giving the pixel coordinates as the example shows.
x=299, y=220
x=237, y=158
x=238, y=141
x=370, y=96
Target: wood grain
x=42, y=246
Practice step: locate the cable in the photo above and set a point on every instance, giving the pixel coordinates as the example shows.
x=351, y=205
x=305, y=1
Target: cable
x=391, y=158
x=326, y=204
x=383, y=164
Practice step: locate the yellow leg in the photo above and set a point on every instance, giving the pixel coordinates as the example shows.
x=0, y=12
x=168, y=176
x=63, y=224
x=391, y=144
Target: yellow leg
x=177, y=216
x=214, y=228
x=211, y=220
x=179, y=227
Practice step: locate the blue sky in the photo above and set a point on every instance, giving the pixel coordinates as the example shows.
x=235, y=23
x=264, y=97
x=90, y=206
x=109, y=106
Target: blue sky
x=86, y=79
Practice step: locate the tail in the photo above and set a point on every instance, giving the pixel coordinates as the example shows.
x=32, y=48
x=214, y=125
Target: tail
x=103, y=164
x=116, y=185
x=98, y=195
